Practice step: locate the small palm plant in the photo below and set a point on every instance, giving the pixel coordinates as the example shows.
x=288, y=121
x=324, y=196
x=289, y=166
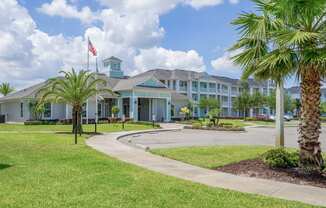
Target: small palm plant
x=5, y=89
x=74, y=88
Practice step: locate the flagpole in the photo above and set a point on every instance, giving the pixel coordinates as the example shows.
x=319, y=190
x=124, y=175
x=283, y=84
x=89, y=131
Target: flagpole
x=96, y=101
x=87, y=53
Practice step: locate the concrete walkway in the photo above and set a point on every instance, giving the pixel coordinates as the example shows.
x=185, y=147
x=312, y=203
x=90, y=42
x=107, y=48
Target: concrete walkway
x=109, y=144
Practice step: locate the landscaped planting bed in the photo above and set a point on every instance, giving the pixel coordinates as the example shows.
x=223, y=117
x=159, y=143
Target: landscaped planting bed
x=257, y=168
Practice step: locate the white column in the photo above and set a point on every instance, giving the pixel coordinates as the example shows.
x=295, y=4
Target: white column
x=168, y=110
x=177, y=87
x=279, y=118
x=119, y=104
x=135, y=108
x=131, y=107
x=189, y=90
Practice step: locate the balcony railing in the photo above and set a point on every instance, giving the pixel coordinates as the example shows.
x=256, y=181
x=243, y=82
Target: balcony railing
x=202, y=89
x=225, y=103
x=225, y=91
x=183, y=88
x=212, y=89
x=194, y=89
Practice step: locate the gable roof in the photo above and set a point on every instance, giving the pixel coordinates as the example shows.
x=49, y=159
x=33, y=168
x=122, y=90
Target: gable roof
x=28, y=92
x=137, y=81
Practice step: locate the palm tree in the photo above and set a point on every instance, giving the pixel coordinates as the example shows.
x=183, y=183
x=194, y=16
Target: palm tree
x=73, y=88
x=286, y=38
x=5, y=89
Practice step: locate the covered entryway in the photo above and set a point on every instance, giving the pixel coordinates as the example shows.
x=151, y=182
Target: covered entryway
x=147, y=107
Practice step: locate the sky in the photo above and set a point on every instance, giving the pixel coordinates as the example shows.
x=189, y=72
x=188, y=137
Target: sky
x=40, y=38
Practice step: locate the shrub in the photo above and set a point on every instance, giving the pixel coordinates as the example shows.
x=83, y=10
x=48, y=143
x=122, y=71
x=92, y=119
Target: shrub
x=280, y=158
x=197, y=125
x=41, y=122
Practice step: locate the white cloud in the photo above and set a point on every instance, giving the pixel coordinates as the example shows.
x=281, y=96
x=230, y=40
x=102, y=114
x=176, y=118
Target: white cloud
x=197, y=4
x=130, y=30
x=64, y=9
x=224, y=66
x=168, y=59
x=234, y=1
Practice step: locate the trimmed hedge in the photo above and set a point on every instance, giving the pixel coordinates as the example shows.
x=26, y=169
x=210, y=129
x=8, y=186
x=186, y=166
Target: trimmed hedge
x=41, y=122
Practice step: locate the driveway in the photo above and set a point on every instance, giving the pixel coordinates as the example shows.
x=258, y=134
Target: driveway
x=188, y=137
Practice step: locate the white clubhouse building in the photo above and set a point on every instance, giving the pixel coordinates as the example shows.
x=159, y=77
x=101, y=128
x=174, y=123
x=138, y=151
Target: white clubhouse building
x=157, y=92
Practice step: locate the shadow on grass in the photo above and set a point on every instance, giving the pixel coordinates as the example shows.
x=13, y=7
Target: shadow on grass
x=84, y=133
x=4, y=166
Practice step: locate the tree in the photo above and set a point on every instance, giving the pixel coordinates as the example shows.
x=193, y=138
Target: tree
x=214, y=108
x=257, y=100
x=243, y=103
x=286, y=38
x=288, y=102
x=115, y=110
x=5, y=89
x=185, y=111
x=74, y=88
x=209, y=103
x=37, y=109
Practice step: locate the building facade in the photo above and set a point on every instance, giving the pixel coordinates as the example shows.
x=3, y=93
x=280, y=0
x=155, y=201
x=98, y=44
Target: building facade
x=157, y=94
x=196, y=86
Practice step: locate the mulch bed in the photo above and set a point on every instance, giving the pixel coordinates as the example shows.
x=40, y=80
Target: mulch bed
x=256, y=168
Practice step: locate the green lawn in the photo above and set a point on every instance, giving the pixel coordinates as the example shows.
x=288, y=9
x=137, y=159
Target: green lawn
x=67, y=128
x=214, y=156
x=47, y=170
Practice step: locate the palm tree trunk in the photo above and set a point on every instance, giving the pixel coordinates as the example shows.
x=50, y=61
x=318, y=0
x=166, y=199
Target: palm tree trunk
x=309, y=128
x=79, y=122
x=76, y=120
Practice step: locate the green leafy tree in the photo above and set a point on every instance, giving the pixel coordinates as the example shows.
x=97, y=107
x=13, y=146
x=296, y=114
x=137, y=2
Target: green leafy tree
x=288, y=102
x=257, y=100
x=115, y=110
x=209, y=103
x=5, y=89
x=36, y=109
x=214, y=115
x=285, y=38
x=214, y=108
x=74, y=88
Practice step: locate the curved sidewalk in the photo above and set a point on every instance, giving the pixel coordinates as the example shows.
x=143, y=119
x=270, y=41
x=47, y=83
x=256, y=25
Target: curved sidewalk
x=109, y=144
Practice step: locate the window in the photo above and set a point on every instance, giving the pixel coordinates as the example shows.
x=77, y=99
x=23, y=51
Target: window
x=183, y=85
x=212, y=87
x=47, y=110
x=194, y=86
x=174, y=84
x=116, y=66
x=84, y=111
x=99, y=109
x=195, y=97
x=21, y=110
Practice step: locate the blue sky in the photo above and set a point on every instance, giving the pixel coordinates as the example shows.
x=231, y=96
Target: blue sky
x=186, y=34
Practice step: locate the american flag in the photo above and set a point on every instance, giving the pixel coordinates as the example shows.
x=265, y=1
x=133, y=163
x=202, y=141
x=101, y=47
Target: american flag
x=91, y=48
